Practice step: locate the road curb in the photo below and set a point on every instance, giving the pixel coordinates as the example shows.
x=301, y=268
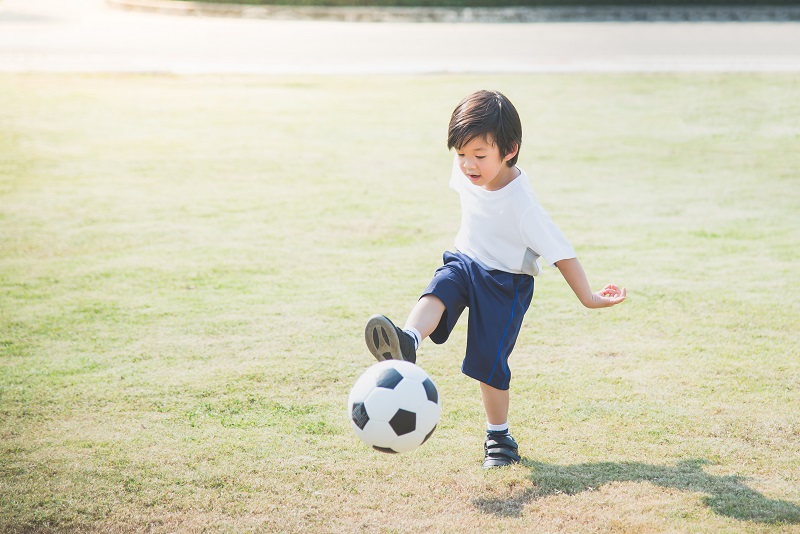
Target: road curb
x=456, y=15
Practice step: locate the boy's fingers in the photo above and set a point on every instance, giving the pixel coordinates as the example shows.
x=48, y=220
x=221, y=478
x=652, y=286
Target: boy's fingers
x=620, y=292
x=612, y=294
x=615, y=297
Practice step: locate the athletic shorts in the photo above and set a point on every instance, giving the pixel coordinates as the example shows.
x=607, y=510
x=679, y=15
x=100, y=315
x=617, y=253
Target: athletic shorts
x=497, y=303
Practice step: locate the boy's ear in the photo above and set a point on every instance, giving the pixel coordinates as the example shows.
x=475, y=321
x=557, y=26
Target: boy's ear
x=512, y=153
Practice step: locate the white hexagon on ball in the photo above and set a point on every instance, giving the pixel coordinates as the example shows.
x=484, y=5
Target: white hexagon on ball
x=394, y=406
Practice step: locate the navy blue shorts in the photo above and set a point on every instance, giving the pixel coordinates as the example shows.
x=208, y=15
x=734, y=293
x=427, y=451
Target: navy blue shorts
x=497, y=303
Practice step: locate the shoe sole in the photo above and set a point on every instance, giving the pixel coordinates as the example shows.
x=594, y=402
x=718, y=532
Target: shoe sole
x=496, y=464
x=382, y=340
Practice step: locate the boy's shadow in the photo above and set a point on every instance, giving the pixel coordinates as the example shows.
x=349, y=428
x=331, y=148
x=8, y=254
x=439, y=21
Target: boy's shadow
x=725, y=495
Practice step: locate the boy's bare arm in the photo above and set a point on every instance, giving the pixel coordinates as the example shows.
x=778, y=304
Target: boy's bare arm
x=572, y=271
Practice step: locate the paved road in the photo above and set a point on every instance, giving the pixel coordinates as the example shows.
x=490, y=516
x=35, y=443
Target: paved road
x=90, y=36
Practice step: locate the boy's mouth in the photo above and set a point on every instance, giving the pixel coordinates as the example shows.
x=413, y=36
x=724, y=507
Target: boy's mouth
x=474, y=177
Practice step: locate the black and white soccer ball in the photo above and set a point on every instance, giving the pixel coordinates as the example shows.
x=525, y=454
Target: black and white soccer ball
x=394, y=406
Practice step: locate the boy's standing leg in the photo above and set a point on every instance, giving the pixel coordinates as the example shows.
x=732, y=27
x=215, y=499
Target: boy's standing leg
x=500, y=448
x=495, y=403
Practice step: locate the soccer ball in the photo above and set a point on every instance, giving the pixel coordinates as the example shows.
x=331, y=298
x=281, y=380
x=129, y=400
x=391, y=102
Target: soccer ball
x=394, y=406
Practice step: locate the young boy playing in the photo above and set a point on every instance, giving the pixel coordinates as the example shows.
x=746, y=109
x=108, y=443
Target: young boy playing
x=504, y=230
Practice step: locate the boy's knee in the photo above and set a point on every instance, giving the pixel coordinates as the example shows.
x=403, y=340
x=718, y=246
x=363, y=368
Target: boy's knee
x=432, y=300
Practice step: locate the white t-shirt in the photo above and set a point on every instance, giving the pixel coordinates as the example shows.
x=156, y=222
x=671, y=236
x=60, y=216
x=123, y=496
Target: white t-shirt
x=507, y=229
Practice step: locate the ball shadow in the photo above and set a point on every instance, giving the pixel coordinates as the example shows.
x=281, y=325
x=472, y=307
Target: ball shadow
x=725, y=495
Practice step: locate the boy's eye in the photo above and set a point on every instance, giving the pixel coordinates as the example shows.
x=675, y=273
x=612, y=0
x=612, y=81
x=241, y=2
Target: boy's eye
x=479, y=157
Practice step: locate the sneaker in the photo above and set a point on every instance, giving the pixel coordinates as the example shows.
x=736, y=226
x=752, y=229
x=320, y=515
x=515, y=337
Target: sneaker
x=387, y=342
x=499, y=451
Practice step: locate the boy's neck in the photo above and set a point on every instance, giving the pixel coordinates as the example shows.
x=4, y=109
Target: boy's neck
x=508, y=175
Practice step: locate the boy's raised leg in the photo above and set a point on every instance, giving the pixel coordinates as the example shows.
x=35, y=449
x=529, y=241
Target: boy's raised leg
x=425, y=315
x=387, y=342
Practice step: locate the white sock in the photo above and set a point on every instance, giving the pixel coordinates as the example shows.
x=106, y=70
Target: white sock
x=415, y=334
x=497, y=428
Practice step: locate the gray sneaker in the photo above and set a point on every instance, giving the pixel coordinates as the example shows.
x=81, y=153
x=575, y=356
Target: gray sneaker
x=387, y=342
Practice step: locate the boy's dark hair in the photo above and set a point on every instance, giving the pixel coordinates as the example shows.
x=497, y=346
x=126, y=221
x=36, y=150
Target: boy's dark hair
x=483, y=114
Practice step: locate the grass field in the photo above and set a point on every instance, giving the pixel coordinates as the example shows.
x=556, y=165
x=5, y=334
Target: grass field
x=186, y=265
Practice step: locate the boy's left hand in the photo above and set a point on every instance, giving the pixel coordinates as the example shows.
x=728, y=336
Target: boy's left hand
x=572, y=272
x=608, y=296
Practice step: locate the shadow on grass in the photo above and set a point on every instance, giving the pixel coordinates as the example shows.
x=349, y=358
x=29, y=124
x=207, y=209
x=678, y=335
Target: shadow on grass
x=725, y=495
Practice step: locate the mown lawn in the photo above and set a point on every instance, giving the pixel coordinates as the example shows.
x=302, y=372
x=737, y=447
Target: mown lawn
x=186, y=265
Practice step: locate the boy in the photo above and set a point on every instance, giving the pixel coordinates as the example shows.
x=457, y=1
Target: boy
x=503, y=233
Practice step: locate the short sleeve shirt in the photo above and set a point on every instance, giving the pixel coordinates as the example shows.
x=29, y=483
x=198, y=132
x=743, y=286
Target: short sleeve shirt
x=507, y=229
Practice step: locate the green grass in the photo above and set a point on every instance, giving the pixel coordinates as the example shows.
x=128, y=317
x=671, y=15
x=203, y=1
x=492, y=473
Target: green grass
x=186, y=265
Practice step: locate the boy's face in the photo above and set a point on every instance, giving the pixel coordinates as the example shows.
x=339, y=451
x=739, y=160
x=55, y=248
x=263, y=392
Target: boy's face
x=481, y=162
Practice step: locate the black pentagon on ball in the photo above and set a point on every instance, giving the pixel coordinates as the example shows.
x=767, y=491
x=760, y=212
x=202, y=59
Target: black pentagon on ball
x=403, y=422
x=384, y=449
x=429, y=434
x=359, y=415
x=389, y=379
x=430, y=390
